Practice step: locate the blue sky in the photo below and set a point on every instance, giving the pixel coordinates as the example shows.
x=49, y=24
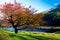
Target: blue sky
x=40, y=5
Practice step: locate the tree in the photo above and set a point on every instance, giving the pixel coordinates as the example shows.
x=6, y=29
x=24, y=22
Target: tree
x=18, y=16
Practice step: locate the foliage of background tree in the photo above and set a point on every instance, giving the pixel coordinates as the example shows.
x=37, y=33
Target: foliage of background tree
x=52, y=18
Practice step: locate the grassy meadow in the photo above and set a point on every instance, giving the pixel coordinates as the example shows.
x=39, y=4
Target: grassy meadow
x=33, y=36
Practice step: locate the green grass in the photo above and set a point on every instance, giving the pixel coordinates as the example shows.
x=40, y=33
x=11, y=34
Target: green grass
x=33, y=36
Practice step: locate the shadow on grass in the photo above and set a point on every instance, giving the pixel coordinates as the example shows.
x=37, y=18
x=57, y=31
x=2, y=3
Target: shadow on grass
x=42, y=38
x=17, y=36
x=36, y=37
x=21, y=37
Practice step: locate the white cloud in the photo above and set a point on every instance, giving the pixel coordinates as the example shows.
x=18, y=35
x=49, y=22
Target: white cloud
x=56, y=3
x=1, y=1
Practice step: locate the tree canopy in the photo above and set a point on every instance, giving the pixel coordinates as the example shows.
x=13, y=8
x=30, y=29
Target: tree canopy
x=19, y=16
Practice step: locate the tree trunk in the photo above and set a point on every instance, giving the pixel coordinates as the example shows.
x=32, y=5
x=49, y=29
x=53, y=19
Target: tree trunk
x=16, y=31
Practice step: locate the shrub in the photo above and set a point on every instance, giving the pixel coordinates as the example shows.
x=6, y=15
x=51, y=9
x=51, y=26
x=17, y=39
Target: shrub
x=58, y=32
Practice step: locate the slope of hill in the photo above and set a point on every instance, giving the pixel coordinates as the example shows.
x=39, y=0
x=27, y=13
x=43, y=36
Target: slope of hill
x=56, y=9
x=33, y=36
x=53, y=10
x=52, y=17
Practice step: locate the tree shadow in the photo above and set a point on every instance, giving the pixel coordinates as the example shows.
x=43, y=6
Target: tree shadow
x=42, y=38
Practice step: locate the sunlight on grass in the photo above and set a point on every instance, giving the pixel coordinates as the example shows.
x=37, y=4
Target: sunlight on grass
x=33, y=36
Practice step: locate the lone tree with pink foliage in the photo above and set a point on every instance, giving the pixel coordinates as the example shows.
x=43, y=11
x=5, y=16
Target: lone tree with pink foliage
x=17, y=16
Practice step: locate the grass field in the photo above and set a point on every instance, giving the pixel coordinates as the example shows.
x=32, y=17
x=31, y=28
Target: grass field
x=33, y=36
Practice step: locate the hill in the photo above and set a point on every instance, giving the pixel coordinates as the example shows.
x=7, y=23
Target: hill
x=52, y=17
x=33, y=36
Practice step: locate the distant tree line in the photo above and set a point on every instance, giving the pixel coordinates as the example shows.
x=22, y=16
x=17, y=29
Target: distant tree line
x=52, y=17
